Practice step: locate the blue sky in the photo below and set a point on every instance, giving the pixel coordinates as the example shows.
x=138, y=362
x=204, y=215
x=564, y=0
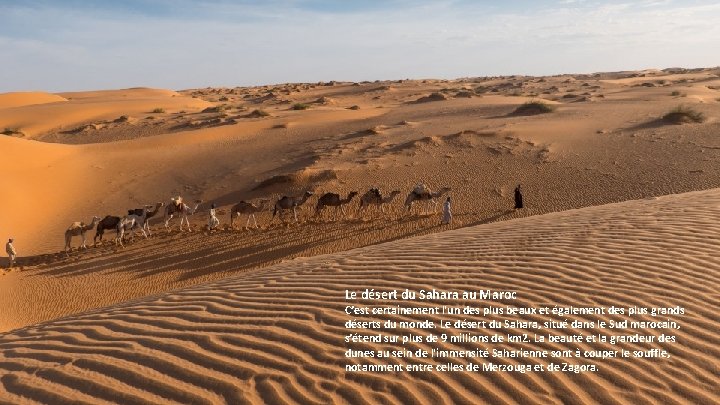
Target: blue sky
x=77, y=45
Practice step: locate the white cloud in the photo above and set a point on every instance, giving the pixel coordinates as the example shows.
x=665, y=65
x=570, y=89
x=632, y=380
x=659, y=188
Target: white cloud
x=62, y=49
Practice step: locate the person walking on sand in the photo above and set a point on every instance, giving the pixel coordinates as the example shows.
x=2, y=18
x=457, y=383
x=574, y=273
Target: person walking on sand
x=213, y=222
x=447, y=214
x=518, y=198
x=12, y=254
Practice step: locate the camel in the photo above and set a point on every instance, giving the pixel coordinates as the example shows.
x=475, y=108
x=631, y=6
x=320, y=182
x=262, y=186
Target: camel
x=107, y=223
x=373, y=197
x=244, y=207
x=148, y=214
x=422, y=193
x=78, y=229
x=333, y=200
x=179, y=208
x=129, y=222
x=286, y=203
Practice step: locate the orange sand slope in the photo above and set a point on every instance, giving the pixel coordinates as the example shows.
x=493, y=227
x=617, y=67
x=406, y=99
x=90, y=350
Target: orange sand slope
x=605, y=142
x=17, y=99
x=36, y=113
x=276, y=335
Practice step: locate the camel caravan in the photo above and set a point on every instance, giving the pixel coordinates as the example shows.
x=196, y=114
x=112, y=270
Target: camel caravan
x=138, y=219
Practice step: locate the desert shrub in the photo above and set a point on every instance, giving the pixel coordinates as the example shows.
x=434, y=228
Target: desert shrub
x=12, y=131
x=258, y=114
x=300, y=106
x=533, y=107
x=215, y=109
x=682, y=114
x=158, y=111
x=354, y=107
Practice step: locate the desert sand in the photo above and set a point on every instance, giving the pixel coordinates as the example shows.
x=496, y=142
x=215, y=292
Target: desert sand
x=276, y=335
x=68, y=157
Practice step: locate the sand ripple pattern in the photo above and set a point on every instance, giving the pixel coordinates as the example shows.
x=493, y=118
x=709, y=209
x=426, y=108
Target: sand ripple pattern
x=276, y=335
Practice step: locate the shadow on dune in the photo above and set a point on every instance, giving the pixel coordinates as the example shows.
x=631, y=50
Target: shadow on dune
x=199, y=254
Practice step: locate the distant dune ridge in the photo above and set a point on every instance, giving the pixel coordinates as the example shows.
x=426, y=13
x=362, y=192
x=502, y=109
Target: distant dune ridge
x=276, y=335
x=19, y=99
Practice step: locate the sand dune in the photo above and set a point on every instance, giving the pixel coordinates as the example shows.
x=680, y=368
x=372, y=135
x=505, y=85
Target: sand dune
x=18, y=99
x=102, y=152
x=86, y=107
x=581, y=154
x=276, y=335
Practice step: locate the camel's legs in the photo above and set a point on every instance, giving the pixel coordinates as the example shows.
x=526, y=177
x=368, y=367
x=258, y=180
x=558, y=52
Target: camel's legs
x=119, y=236
x=255, y=221
x=295, y=214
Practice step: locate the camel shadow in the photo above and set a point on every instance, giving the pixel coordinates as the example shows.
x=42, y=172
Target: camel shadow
x=198, y=255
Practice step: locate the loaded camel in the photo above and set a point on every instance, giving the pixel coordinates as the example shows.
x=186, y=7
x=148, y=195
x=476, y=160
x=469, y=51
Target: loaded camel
x=78, y=229
x=249, y=209
x=179, y=208
x=333, y=200
x=286, y=203
x=422, y=193
x=373, y=197
x=148, y=214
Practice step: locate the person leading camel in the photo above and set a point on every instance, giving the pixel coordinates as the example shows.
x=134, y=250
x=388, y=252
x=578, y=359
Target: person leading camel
x=213, y=222
x=10, y=250
x=447, y=214
x=518, y=198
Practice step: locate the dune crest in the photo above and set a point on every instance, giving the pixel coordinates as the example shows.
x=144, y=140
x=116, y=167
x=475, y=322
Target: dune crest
x=19, y=99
